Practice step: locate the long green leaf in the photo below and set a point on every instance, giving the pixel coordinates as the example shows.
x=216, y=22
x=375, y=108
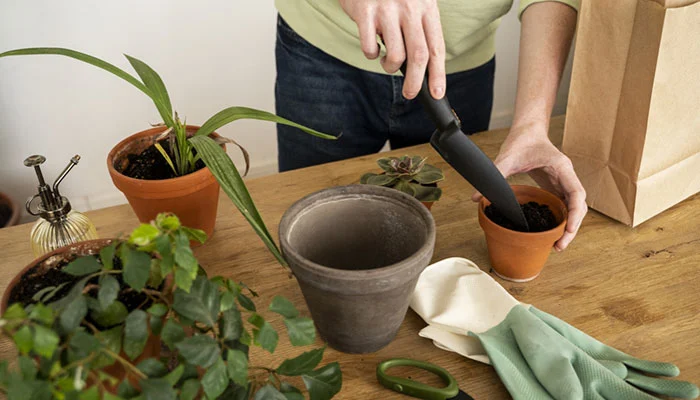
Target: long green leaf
x=155, y=84
x=231, y=182
x=231, y=114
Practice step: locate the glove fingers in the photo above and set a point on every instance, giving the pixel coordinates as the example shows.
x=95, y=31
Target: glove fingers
x=653, y=367
x=616, y=367
x=665, y=387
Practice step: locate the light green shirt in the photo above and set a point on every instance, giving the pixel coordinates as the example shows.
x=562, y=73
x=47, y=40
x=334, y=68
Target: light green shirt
x=469, y=28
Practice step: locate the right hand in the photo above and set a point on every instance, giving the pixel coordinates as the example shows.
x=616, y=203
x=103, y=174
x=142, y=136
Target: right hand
x=411, y=30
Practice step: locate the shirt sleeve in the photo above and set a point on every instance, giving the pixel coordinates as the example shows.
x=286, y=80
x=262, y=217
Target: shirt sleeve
x=575, y=4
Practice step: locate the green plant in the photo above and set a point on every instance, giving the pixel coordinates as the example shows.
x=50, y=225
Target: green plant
x=66, y=344
x=408, y=174
x=182, y=157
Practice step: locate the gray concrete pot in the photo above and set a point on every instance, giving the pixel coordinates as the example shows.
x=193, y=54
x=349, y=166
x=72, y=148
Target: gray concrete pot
x=357, y=252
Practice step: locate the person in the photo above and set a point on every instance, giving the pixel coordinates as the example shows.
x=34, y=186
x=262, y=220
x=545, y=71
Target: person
x=329, y=78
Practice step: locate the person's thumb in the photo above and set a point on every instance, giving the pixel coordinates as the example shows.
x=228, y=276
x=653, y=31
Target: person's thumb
x=504, y=165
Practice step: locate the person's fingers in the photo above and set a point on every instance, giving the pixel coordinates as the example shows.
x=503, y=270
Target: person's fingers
x=417, y=57
x=575, y=196
x=393, y=40
x=368, y=34
x=436, y=51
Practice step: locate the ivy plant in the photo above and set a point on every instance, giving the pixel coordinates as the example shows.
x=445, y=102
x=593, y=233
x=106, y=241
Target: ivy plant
x=181, y=156
x=70, y=347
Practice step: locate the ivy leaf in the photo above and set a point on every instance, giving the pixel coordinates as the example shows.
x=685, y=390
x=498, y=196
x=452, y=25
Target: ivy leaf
x=115, y=314
x=152, y=368
x=324, y=383
x=137, y=267
x=90, y=394
x=144, y=235
x=82, y=344
x=173, y=377
x=23, y=339
x=195, y=234
x=126, y=391
x=290, y=392
x=201, y=350
x=158, y=309
x=82, y=266
x=41, y=313
x=227, y=301
x=189, y=389
x=168, y=222
x=45, y=341
x=111, y=339
x=246, y=302
x=164, y=248
x=284, y=307
x=237, y=367
x=109, y=289
x=156, y=324
x=201, y=303
x=231, y=324
x=301, y=331
x=135, y=333
x=14, y=312
x=269, y=392
x=73, y=314
x=107, y=256
x=157, y=389
x=304, y=363
x=172, y=333
x=183, y=254
x=215, y=379
x=264, y=334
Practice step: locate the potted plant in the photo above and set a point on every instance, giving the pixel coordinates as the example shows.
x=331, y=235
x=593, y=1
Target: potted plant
x=175, y=167
x=410, y=175
x=520, y=256
x=9, y=212
x=88, y=322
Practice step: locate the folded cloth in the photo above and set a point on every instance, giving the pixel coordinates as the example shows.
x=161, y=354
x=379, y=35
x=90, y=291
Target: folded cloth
x=536, y=355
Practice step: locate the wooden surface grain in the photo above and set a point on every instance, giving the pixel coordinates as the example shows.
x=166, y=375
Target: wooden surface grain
x=635, y=289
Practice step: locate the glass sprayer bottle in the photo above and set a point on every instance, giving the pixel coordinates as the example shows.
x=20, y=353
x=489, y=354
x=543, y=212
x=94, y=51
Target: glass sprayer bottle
x=59, y=225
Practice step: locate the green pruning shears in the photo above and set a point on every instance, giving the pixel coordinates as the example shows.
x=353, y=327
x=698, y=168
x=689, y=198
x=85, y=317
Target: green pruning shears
x=417, y=389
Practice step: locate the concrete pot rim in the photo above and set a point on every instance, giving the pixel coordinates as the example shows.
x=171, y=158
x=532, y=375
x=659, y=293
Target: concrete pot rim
x=307, y=203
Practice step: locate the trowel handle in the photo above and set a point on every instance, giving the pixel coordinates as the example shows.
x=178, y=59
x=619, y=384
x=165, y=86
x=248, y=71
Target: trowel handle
x=440, y=111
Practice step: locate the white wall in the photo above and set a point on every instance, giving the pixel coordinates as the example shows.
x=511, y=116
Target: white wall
x=210, y=57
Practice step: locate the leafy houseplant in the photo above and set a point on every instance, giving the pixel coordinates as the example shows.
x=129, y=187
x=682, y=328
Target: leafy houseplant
x=185, y=150
x=410, y=175
x=71, y=338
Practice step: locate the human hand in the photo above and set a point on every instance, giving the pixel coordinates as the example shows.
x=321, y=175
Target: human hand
x=410, y=30
x=528, y=149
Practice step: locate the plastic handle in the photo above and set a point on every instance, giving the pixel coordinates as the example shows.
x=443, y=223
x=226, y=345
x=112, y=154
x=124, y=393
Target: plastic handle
x=413, y=388
x=440, y=111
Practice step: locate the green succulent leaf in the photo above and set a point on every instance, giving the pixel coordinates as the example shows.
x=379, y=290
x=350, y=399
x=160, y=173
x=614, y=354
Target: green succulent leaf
x=426, y=193
x=264, y=334
x=45, y=341
x=215, y=380
x=109, y=289
x=427, y=177
x=301, y=331
x=385, y=164
x=73, y=314
x=283, y=307
x=324, y=383
x=107, y=256
x=269, y=392
x=82, y=266
x=157, y=389
x=23, y=339
x=365, y=177
x=135, y=333
x=201, y=350
x=172, y=333
x=137, y=267
x=189, y=390
x=304, y=363
x=405, y=187
x=381, y=180
x=114, y=314
x=237, y=366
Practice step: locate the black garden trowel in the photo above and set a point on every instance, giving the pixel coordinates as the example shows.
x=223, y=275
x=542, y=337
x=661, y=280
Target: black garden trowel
x=467, y=158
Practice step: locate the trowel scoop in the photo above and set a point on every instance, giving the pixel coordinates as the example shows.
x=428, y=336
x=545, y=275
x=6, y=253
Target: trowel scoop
x=467, y=158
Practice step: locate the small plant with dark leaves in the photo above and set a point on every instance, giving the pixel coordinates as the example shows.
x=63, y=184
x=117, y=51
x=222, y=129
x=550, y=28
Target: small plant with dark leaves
x=71, y=345
x=410, y=175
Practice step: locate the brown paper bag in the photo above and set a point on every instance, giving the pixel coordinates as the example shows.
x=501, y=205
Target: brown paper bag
x=633, y=117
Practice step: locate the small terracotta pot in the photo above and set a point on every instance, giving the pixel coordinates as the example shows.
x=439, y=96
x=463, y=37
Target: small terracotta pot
x=193, y=198
x=14, y=217
x=520, y=256
x=428, y=204
x=152, y=348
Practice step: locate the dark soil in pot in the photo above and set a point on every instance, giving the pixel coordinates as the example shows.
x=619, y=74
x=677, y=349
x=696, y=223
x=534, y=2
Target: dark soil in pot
x=539, y=217
x=151, y=165
x=5, y=214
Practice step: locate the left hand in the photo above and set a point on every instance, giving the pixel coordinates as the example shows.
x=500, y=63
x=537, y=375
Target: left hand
x=528, y=149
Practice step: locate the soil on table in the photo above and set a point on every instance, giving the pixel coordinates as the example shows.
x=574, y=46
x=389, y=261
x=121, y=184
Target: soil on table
x=49, y=274
x=539, y=217
x=151, y=165
x=5, y=214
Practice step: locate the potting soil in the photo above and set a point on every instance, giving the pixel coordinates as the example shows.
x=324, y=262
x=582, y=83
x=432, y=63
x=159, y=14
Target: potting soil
x=539, y=217
x=151, y=165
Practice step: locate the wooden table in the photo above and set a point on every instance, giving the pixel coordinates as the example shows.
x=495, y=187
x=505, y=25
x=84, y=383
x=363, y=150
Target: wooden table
x=635, y=289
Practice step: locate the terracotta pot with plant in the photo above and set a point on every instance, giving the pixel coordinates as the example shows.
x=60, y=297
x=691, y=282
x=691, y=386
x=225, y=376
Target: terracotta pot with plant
x=88, y=321
x=173, y=167
x=9, y=212
x=410, y=175
x=520, y=256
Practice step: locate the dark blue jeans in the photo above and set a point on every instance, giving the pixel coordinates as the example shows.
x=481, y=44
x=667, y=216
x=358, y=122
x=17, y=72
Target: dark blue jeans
x=328, y=95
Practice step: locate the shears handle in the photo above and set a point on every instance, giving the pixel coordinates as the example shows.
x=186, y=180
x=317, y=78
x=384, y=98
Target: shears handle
x=413, y=388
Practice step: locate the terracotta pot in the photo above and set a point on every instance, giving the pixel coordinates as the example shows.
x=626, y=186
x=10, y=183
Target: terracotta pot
x=357, y=252
x=520, y=256
x=428, y=204
x=14, y=217
x=152, y=348
x=193, y=198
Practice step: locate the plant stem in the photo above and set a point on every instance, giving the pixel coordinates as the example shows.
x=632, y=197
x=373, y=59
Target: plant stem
x=125, y=363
